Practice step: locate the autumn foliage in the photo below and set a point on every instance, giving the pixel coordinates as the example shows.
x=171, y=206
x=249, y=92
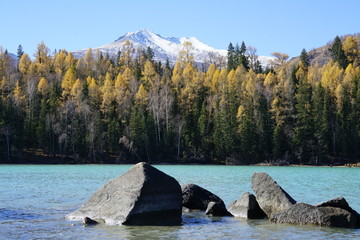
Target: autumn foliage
x=103, y=108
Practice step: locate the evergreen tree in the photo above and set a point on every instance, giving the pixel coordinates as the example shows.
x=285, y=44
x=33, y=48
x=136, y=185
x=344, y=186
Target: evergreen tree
x=231, y=58
x=303, y=133
x=321, y=121
x=241, y=58
x=138, y=133
x=304, y=58
x=337, y=52
x=20, y=52
x=258, y=68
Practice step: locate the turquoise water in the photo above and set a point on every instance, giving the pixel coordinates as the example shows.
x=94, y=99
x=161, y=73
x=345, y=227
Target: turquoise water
x=35, y=198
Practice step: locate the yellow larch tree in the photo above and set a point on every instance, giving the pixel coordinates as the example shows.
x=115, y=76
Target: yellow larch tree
x=19, y=96
x=94, y=90
x=24, y=64
x=127, y=52
x=89, y=62
x=177, y=79
x=231, y=81
x=193, y=81
x=107, y=93
x=351, y=73
x=59, y=62
x=339, y=93
x=43, y=86
x=76, y=91
x=149, y=75
x=223, y=81
x=209, y=75
x=68, y=81
x=70, y=61
x=42, y=60
x=351, y=49
x=186, y=54
x=141, y=95
x=332, y=76
x=123, y=91
x=214, y=87
x=314, y=74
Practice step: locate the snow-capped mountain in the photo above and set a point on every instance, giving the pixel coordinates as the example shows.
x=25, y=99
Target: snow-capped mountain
x=163, y=47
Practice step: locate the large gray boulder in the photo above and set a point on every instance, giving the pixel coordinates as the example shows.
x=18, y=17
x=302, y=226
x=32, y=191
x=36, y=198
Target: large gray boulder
x=270, y=196
x=246, y=207
x=302, y=213
x=141, y=196
x=198, y=198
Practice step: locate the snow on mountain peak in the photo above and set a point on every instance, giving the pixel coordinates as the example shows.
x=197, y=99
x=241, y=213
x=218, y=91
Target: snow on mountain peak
x=163, y=47
x=138, y=35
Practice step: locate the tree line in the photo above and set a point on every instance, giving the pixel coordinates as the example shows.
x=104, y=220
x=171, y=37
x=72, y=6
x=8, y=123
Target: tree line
x=103, y=108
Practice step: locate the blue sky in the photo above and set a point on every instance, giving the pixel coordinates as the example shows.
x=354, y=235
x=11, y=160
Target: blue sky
x=277, y=25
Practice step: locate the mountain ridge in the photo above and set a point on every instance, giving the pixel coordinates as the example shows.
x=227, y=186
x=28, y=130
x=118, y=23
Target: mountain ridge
x=164, y=47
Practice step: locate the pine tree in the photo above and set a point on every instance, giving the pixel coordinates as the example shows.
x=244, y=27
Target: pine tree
x=231, y=62
x=304, y=58
x=337, y=52
x=303, y=131
x=20, y=52
x=138, y=133
x=258, y=68
x=240, y=59
x=321, y=121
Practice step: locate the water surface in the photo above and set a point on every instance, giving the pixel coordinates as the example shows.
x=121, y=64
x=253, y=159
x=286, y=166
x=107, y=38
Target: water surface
x=35, y=198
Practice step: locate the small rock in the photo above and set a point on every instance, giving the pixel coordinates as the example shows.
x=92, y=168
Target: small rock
x=185, y=210
x=246, y=207
x=88, y=221
x=196, y=197
x=217, y=209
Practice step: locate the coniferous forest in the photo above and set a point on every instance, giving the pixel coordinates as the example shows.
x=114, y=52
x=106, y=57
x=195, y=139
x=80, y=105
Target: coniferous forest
x=129, y=108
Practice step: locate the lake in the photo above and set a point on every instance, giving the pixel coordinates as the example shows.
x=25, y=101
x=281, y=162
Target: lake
x=35, y=198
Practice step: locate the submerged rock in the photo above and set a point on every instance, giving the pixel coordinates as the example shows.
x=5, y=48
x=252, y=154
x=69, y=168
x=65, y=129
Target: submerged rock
x=88, y=221
x=270, y=196
x=141, y=196
x=246, y=207
x=302, y=213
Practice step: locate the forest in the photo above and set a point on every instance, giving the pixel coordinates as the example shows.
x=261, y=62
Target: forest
x=129, y=108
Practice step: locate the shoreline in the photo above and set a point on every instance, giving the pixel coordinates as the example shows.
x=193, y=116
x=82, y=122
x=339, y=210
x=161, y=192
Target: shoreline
x=33, y=157
x=347, y=165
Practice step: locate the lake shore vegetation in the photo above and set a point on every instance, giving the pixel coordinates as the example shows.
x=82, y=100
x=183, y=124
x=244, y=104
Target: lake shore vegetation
x=130, y=108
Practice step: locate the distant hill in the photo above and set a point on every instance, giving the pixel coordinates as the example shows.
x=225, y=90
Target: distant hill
x=321, y=55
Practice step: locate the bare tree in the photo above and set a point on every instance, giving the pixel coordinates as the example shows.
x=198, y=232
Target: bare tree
x=280, y=59
x=252, y=56
x=214, y=58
